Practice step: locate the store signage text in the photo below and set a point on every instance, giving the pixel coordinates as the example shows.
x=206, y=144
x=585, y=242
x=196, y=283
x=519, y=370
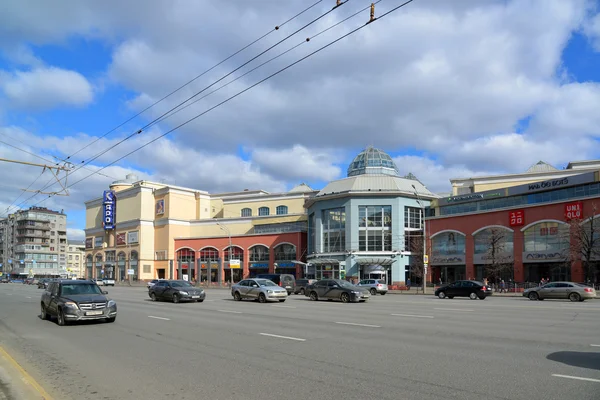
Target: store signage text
x=548, y=184
x=259, y=265
x=574, y=210
x=465, y=197
x=109, y=210
x=516, y=218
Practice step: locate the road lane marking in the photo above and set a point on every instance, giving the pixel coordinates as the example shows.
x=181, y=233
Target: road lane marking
x=25, y=376
x=595, y=345
x=229, y=311
x=452, y=309
x=283, y=337
x=282, y=306
x=164, y=319
x=578, y=378
x=354, y=324
x=28, y=297
x=412, y=315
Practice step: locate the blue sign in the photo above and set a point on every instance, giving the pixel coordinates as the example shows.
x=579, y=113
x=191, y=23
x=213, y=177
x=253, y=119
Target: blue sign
x=286, y=265
x=259, y=265
x=109, y=210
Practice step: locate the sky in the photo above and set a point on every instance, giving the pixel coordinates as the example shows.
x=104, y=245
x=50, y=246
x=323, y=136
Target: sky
x=449, y=89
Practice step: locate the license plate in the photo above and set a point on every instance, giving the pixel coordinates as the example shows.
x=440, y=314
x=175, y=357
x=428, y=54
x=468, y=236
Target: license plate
x=288, y=287
x=195, y=297
x=93, y=313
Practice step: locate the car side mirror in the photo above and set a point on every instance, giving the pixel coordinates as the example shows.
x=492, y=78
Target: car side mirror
x=104, y=292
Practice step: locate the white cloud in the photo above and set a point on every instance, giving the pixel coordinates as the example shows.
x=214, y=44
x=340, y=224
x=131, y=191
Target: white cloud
x=45, y=88
x=592, y=30
x=75, y=234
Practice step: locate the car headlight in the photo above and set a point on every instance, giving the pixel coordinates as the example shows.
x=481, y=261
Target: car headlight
x=184, y=293
x=112, y=303
x=269, y=291
x=355, y=292
x=71, y=304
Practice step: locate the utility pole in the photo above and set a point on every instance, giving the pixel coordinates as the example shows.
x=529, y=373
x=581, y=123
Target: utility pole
x=224, y=228
x=54, y=169
x=425, y=256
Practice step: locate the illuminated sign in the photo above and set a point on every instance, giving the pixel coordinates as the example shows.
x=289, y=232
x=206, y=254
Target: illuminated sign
x=516, y=218
x=109, y=210
x=574, y=210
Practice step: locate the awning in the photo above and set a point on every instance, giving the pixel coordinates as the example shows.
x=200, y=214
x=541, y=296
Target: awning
x=383, y=261
x=324, y=261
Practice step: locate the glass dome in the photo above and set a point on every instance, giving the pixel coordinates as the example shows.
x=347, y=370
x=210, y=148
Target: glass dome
x=372, y=161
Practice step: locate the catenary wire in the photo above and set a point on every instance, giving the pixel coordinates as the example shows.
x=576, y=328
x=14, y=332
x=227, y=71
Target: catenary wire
x=159, y=118
x=28, y=187
x=242, y=91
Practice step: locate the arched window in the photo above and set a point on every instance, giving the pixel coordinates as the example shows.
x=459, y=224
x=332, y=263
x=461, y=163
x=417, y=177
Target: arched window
x=494, y=240
x=186, y=256
x=285, y=252
x=98, y=258
x=236, y=254
x=259, y=253
x=121, y=257
x=448, y=244
x=89, y=260
x=263, y=211
x=546, y=236
x=246, y=212
x=134, y=256
x=110, y=256
x=208, y=254
x=281, y=210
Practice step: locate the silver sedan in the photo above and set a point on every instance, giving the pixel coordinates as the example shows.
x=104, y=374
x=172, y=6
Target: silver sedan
x=262, y=290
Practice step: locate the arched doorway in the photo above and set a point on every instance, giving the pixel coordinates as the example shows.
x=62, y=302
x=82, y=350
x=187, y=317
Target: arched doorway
x=285, y=254
x=259, y=260
x=133, y=266
x=209, y=265
x=187, y=258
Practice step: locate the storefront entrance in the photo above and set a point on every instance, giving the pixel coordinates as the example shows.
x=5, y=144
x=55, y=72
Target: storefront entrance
x=327, y=271
x=556, y=271
x=238, y=275
x=449, y=274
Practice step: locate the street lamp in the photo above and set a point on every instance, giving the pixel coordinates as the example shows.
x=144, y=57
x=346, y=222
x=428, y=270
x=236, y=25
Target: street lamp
x=226, y=230
x=424, y=239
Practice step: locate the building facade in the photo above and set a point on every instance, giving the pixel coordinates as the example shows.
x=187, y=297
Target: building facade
x=365, y=226
x=76, y=259
x=545, y=229
x=34, y=242
x=137, y=238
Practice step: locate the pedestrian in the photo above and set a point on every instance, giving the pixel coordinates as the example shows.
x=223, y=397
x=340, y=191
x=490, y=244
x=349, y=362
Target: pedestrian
x=502, y=286
x=408, y=283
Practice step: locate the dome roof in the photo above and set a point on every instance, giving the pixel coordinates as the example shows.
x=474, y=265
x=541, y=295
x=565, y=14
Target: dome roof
x=372, y=161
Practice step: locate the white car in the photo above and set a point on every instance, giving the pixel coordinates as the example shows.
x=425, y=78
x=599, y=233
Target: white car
x=153, y=282
x=108, y=282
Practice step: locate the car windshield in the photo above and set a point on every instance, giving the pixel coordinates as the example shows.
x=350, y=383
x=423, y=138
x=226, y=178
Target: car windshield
x=180, y=284
x=381, y=281
x=345, y=284
x=87, y=288
x=265, y=282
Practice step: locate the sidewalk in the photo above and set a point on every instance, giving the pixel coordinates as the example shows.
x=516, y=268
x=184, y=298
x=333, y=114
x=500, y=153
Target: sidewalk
x=16, y=383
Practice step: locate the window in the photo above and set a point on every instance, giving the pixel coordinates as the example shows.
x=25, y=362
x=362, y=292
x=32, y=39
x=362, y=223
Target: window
x=285, y=252
x=161, y=255
x=413, y=218
x=448, y=243
x=494, y=239
x=263, y=211
x=334, y=230
x=413, y=241
x=236, y=254
x=312, y=227
x=246, y=212
x=375, y=228
x=546, y=236
x=147, y=269
x=186, y=256
x=209, y=254
x=70, y=257
x=259, y=253
x=281, y=210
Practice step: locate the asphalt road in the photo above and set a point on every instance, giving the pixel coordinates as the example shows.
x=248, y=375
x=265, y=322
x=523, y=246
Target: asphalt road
x=393, y=347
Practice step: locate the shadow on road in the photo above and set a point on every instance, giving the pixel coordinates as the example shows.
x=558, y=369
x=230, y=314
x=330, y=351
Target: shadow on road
x=587, y=360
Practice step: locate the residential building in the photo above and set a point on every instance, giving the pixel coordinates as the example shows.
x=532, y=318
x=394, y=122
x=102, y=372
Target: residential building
x=365, y=225
x=76, y=258
x=34, y=242
x=137, y=238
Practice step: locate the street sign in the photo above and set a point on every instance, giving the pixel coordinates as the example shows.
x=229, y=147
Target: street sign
x=129, y=272
x=234, y=263
x=425, y=259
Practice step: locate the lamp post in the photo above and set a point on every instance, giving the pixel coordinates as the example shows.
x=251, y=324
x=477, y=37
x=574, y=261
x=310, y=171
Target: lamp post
x=424, y=239
x=226, y=230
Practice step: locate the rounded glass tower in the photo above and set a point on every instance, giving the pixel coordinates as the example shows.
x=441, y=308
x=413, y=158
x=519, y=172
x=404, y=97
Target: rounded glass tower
x=372, y=161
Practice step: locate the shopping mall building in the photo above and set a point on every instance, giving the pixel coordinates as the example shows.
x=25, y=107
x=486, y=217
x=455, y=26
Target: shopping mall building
x=529, y=219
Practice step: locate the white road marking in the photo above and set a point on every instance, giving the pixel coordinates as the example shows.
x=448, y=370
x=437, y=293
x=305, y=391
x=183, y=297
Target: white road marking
x=282, y=306
x=229, y=311
x=595, y=345
x=283, y=337
x=28, y=297
x=164, y=319
x=579, y=378
x=452, y=309
x=354, y=324
x=412, y=315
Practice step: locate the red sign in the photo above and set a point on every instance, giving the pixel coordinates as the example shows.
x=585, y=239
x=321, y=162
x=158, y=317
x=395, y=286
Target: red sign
x=121, y=239
x=517, y=218
x=574, y=210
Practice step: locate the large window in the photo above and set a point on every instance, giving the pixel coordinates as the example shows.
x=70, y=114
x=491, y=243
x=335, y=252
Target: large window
x=447, y=244
x=334, y=230
x=285, y=252
x=375, y=228
x=281, y=210
x=413, y=218
x=263, y=211
x=236, y=254
x=246, y=212
x=186, y=256
x=495, y=240
x=259, y=253
x=312, y=232
x=208, y=254
x=546, y=236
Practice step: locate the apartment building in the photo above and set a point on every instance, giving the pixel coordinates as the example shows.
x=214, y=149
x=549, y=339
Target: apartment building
x=34, y=242
x=75, y=258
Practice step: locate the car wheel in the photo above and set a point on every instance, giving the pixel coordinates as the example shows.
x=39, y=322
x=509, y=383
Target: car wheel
x=44, y=315
x=313, y=296
x=373, y=292
x=282, y=300
x=383, y=293
x=533, y=296
x=345, y=298
x=482, y=297
x=442, y=295
x=60, y=318
x=302, y=292
x=473, y=296
x=153, y=296
x=112, y=319
x=450, y=297
x=574, y=297
x=175, y=298
x=237, y=296
x=262, y=298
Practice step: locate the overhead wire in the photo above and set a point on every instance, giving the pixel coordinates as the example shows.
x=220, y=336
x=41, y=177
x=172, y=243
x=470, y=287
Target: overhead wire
x=394, y=9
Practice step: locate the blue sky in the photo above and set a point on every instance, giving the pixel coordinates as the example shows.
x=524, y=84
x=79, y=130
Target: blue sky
x=480, y=87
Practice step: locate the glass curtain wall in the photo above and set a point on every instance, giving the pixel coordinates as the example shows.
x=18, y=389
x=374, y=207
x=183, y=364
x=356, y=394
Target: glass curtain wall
x=375, y=228
x=334, y=230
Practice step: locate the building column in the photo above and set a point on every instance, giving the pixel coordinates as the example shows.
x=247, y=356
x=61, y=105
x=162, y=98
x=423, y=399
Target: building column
x=246, y=264
x=272, y=260
x=519, y=268
x=469, y=251
x=577, y=271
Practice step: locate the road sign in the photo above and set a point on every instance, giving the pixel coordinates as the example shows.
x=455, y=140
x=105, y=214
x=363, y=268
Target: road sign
x=129, y=272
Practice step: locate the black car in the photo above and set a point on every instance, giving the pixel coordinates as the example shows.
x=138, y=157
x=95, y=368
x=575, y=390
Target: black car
x=336, y=289
x=76, y=300
x=470, y=289
x=176, y=291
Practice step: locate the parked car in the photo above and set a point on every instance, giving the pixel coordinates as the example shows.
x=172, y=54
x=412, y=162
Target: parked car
x=176, y=291
x=108, y=282
x=301, y=284
x=263, y=290
x=153, y=282
x=561, y=290
x=43, y=283
x=76, y=300
x=375, y=286
x=470, y=289
x=337, y=289
x=286, y=281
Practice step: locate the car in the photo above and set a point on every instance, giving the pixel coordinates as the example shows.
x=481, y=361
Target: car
x=176, y=291
x=286, y=281
x=263, y=290
x=153, y=282
x=471, y=289
x=561, y=290
x=337, y=289
x=375, y=286
x=43, y=283
x=76, y=300
x=301, y=284
x=108, y=281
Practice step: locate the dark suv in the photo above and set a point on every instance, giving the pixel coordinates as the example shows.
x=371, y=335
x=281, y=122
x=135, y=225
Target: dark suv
x=76, y=300
x=286, y=281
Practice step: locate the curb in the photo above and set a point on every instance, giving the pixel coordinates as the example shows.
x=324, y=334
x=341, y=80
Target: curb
x=25, y=377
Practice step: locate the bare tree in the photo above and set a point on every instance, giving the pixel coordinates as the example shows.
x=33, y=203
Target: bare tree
x=415, y=246
x=585, y=241
x=498, y=257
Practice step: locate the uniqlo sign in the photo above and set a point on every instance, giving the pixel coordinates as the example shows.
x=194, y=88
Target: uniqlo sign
x=574, y=210
x=516, y=218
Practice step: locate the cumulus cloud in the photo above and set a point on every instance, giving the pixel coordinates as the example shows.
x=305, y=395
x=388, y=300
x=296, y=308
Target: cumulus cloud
x=75, y=234
x=45, y=88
